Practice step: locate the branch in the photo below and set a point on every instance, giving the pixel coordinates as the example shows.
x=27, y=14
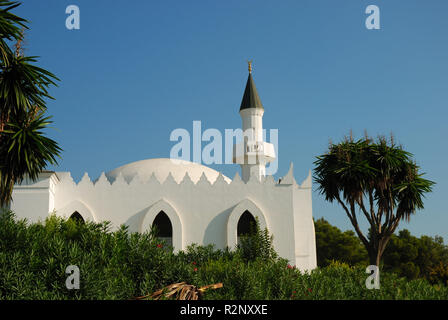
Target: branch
x=376, y=218
x=393, y=224
x=370, y=218
x=390, y=221
x=354, y=222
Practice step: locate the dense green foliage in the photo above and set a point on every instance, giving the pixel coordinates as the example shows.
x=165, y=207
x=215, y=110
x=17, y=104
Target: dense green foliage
x=123, y=265
x=406, y=255
x=413, y=257
x=333, y=244
x=256, y=244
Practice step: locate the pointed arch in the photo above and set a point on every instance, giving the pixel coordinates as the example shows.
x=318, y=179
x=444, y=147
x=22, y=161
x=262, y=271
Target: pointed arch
x=76, y=216
x=246, y=223
x=164, y=227
x=235, y=215
x=77, y=206
x=164, y=206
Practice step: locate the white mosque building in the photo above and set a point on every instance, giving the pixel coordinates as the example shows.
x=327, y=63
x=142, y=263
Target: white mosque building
x=188, y=202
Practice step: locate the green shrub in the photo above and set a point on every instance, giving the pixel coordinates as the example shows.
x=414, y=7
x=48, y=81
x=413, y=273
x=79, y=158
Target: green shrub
x=439, y=274
x=256, y=244
x=123, y=265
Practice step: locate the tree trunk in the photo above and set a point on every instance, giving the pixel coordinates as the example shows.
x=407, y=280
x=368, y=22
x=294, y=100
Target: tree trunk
x=376, y=248
x=374, y=256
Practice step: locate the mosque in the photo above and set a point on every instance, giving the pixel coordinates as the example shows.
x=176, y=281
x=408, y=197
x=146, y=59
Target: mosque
x=188, y=202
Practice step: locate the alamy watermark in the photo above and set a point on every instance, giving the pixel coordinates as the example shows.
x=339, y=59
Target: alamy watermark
x=373, y=20
x=73, y=21
x=72, y=281
x=373, y=281
x=250, y=146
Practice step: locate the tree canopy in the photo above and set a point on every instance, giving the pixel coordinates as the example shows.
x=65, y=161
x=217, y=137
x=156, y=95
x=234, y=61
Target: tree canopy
x=377, y=179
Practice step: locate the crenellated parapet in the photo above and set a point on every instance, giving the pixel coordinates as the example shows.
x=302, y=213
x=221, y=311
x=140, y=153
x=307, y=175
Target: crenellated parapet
x=119, y=182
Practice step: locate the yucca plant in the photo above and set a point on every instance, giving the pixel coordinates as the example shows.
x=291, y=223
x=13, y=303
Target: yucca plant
x=10, y=27
x=377, y=179
x=24, y=149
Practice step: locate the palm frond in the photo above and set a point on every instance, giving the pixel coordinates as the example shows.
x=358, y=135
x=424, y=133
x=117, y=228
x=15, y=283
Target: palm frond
x=180, y=291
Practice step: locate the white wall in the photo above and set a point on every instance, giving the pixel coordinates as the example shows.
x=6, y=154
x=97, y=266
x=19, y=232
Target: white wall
x=201, y=213
x=34, y=200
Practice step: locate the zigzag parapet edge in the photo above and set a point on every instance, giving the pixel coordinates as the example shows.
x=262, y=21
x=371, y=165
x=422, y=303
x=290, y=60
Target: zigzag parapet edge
x=103, y=180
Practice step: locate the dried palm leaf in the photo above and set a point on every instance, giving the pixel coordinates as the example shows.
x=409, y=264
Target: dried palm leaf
x=180, y=291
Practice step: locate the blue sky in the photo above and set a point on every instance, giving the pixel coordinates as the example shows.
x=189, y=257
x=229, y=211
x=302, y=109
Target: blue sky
x=138, y=69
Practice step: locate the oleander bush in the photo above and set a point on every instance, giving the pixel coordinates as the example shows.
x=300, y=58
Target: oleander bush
x=124, y=265
x=256, y=244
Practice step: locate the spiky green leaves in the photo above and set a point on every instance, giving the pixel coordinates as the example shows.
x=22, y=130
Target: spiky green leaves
x=24, y=86
x=352, y=170
x=10, y=27
x=377, y=179
x=24, y=149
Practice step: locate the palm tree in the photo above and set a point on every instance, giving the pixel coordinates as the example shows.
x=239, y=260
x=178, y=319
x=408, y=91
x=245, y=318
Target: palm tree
x=24, y=149
x=377, y=179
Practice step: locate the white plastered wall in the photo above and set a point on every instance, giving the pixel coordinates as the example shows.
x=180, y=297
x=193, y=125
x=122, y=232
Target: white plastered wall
x=201, y=213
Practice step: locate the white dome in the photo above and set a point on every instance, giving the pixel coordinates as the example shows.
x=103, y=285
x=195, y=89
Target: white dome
x=161, y=168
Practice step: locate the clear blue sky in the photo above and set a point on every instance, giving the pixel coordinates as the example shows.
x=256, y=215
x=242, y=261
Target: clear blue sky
x=138, y=69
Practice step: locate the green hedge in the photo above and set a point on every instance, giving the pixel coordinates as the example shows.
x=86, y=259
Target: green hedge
x=123, y=265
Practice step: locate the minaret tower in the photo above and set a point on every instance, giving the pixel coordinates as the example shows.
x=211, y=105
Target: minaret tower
x=253, y=153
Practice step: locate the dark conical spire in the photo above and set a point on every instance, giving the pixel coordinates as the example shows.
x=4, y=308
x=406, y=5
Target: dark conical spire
x=250, y=97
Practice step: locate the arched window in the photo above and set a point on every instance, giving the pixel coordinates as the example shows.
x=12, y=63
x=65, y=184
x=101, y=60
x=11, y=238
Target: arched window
x=77, y=217
x=163, y=228
x=246, y=225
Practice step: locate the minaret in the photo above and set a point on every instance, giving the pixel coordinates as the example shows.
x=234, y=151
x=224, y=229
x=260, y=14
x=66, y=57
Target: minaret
x=254, y=153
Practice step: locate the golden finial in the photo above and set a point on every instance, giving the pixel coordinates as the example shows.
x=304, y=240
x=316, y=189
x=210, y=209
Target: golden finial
x=249, y=62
